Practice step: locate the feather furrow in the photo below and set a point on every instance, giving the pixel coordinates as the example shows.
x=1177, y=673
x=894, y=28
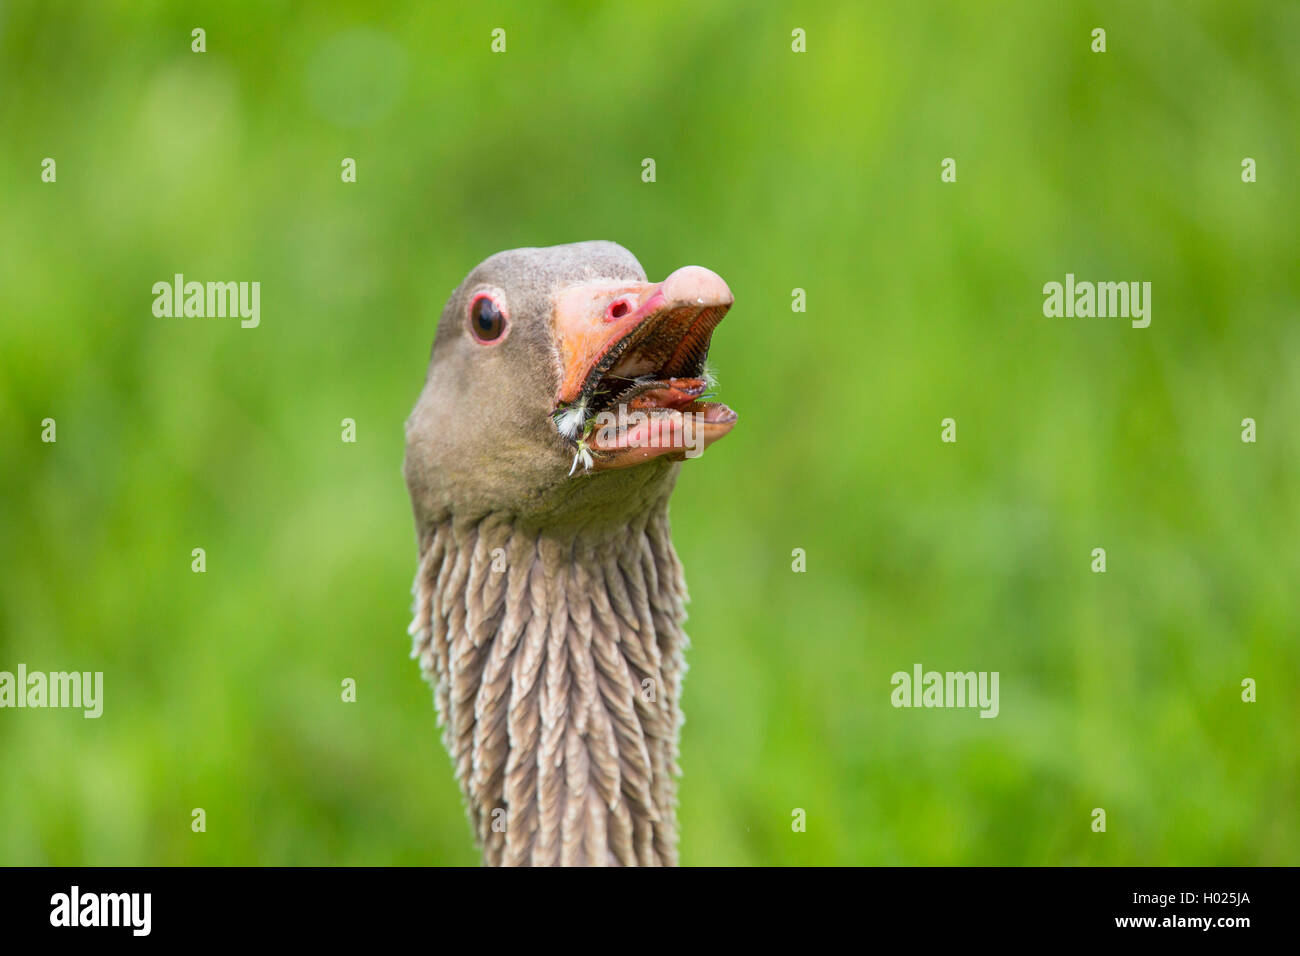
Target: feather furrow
x=557, y=683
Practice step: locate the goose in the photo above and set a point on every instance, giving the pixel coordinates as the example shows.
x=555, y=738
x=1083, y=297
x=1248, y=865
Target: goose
x=563, y=392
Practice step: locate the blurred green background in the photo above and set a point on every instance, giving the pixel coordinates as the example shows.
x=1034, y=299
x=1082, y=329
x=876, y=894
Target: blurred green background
x=778, y=170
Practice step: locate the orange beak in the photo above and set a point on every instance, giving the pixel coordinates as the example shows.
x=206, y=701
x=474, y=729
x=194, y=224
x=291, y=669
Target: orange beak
x=635, y=354
x=676, y=317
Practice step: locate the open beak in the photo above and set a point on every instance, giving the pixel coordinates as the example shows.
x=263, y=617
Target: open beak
x=633, y=379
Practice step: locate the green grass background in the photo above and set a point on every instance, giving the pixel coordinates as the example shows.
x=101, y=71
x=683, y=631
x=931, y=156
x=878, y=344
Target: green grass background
x=818, y=171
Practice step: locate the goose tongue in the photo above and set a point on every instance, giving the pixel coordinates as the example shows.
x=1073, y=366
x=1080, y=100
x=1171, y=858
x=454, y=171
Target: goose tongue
x=666, y=393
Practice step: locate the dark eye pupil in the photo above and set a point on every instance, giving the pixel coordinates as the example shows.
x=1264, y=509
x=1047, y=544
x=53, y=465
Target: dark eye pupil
x=488, y=321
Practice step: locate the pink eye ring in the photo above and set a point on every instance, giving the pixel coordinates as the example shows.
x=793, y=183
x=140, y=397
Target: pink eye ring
x=487, y=319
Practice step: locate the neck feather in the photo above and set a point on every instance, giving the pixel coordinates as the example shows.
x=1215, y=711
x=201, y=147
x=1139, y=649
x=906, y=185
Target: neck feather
x=556, y=659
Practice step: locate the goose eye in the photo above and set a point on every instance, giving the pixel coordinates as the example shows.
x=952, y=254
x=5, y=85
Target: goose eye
x=487, y=320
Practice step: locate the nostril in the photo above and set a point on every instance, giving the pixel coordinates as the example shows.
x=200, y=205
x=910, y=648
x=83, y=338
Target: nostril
x=619, y=309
